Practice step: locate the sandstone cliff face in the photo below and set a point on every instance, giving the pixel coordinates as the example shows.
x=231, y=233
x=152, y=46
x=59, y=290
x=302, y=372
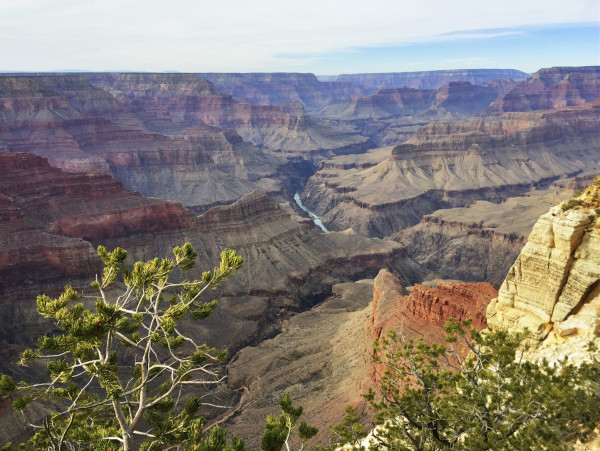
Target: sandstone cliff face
x=449, y=164
x=553, y=287
x=555, y=87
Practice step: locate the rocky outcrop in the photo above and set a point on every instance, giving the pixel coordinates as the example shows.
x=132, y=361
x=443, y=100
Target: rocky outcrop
x=553, y=287
x=452, y=164
x=424, y=311
x=555, y=87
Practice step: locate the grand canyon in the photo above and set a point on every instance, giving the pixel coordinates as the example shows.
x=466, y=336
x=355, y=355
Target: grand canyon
x=443, y=194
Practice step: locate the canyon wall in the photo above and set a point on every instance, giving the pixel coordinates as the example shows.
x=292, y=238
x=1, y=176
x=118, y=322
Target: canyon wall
x=281, y=88
x=555, y=87
x=453, y=164
x=52, y=220
x=553, y=289
x=429, y=79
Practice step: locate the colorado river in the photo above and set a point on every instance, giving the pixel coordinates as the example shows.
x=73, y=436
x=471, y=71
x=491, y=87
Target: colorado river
x=314, y=217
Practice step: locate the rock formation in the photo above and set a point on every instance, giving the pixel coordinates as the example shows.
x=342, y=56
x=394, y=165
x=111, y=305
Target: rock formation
x=172, y=102
x=323, y=357
x=424, y=311
x=450, y=164
x=52, y=221
x=429, y=79
x=390, y=116
x=555, y=87
x=281, y=88
x=479, y=242
x=553, y=289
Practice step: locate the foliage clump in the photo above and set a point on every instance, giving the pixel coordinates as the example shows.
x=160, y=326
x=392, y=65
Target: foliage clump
x=433, y=396
x=279, y=429
x=120, y=368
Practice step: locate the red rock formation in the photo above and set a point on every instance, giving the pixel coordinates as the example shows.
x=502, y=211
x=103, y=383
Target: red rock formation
x=92, y=206
x=424, y=311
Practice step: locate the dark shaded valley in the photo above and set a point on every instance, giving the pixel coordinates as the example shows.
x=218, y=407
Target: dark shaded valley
x=428, y=182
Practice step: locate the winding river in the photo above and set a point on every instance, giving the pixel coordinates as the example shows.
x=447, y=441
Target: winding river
x=314, y=217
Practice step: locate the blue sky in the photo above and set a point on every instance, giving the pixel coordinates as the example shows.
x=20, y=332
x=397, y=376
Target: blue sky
x=525, y=48
x=319, y=36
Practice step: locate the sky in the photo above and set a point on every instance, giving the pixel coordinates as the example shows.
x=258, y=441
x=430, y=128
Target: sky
x=322, y=37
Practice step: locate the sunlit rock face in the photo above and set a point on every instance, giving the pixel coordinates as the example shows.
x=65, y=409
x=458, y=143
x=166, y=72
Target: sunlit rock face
x=553, y=287
x=555, y=87
x=453, y=164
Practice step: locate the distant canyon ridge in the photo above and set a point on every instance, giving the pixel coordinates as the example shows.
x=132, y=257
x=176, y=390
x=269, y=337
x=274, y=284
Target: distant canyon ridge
x=428, y=176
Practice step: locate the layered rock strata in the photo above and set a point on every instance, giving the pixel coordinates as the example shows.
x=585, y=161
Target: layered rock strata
x=171, y=102
x=479, y=242
x=281, y=88
x=424, y=310
x=555, y=87
x=390, y=116
x=553, y=287
x=52, y=221
x=454, y=164
x=429, y=79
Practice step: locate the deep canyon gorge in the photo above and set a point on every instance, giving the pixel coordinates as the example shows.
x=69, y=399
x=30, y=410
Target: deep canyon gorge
x=441, y=194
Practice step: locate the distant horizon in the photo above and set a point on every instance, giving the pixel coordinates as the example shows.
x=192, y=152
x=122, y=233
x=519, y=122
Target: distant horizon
x=81, y=71
x=326, y=38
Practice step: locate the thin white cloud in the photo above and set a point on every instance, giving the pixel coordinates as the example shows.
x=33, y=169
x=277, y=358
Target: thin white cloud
x=202, y=35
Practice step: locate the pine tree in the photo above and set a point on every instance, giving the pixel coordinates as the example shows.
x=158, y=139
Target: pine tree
x=120, y=368
x=436, y=397
x=279, y=429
